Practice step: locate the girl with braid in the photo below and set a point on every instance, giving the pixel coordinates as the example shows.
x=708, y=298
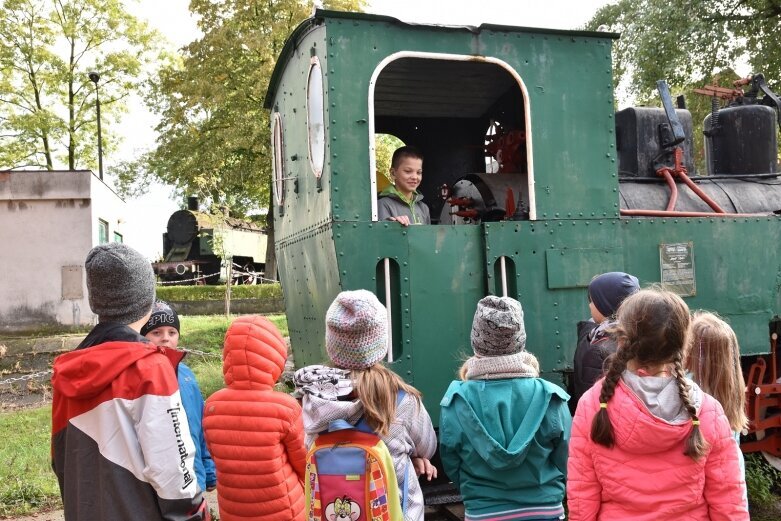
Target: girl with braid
x=647, y=443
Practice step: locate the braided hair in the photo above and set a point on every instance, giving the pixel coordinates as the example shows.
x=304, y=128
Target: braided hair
x=652, y=329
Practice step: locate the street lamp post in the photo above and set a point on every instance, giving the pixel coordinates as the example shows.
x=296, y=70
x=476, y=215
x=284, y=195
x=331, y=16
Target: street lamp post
x=94, y=77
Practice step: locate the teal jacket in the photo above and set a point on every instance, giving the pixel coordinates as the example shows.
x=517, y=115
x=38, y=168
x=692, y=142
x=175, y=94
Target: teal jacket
x=504, y=443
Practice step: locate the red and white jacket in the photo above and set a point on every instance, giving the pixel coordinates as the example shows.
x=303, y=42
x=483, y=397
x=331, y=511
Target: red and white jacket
x=121, y=446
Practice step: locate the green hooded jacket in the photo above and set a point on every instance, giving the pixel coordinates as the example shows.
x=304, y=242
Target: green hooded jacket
x=391, y=203
x=504, y=443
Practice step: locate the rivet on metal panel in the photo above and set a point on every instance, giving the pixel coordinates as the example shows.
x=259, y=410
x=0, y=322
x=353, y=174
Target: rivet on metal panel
x=555, y=304
x=408, y=356
x=406, y=325
x=355, y=225
x=406, y=310
x=557, y=332
x=408, y=343
x=405, y=264
x=336, y=188
x=344, y=272
x=339, y=236
x=406, y=279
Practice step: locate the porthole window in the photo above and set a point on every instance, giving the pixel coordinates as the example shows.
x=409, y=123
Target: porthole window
x=277, y=154
x=315, y=117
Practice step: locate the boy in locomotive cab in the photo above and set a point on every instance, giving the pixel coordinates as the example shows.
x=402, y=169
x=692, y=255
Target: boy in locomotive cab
x=401, y=202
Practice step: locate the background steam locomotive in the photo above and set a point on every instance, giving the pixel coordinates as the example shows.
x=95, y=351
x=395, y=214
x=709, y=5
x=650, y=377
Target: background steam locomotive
x=196, y=245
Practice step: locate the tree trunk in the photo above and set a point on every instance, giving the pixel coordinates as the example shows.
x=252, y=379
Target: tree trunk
x=47, y=153
x=71, y=111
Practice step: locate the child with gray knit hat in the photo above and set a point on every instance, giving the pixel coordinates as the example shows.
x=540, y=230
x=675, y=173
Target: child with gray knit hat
x=117, y=394
x=360, y=386
x=504, y=432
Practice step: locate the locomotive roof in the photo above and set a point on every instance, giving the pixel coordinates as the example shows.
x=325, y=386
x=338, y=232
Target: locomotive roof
x=321, y=15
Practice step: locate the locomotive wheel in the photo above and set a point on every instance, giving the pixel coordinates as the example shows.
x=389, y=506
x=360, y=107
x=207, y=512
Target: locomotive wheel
x=772, y=459
x=247, y=275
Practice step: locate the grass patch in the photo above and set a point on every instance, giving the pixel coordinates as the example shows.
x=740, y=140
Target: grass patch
x=207, y=332
x=27, y=482
x=191, y=293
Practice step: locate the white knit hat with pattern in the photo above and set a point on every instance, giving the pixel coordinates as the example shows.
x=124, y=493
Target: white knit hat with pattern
x=356, y=330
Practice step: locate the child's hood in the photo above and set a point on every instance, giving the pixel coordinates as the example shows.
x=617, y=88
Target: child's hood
x=509, y=453
x=319, y=412
x=647, y=413
x=254, y=354
x=85, y=373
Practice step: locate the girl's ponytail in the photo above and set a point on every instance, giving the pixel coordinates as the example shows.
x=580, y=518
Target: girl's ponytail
x=696, y=444
x=601, y=428
x=377, y=387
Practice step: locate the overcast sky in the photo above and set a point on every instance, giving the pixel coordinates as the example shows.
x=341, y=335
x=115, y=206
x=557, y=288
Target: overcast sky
x=173, y=20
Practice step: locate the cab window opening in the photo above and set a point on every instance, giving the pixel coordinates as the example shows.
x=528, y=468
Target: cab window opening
x=473, y=138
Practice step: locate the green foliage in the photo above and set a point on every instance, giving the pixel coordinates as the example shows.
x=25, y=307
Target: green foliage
x=192, y=293
x=384, y=146
x=214, y=132
x=762, y=480
x=47, y=102
x=27, y=483
x=688, y=41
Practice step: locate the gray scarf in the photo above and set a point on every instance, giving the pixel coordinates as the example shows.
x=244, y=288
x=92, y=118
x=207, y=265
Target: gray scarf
x=518, y=365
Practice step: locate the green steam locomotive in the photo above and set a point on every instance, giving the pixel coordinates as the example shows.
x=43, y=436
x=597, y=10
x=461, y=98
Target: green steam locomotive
x=534, y=182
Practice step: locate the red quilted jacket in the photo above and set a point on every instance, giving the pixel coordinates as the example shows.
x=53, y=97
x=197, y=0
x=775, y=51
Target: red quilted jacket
x=255, y=434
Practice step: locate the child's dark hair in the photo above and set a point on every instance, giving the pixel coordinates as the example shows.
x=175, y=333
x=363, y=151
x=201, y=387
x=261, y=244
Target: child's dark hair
x=653, y=329
x=405, y=151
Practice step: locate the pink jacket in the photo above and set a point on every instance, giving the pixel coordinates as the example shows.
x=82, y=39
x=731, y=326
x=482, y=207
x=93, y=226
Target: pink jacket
x=646, y=476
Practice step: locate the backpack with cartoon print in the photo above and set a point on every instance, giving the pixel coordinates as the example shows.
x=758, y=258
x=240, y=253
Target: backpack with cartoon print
x=350, y=476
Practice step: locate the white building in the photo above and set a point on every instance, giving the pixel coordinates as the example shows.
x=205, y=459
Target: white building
x=49, y=220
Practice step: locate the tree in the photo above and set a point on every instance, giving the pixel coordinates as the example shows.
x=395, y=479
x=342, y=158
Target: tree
x=47, y=103
x=689, y=41
x=214, y=134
